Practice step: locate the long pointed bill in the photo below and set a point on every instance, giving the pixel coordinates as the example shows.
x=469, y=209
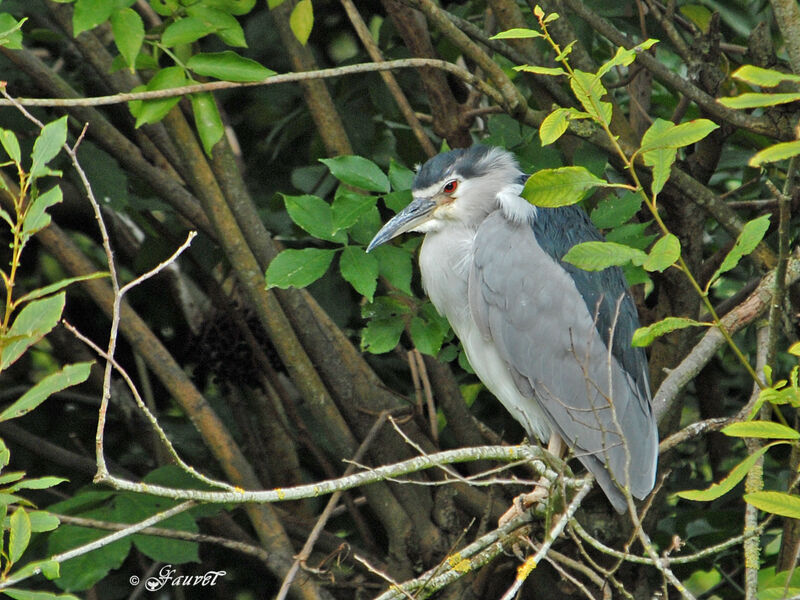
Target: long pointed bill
x=414, y=214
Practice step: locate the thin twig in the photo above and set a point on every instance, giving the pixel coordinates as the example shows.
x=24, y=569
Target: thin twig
x=146, y=411
x=552, y=535
x=388, y=77
x=177, y=534
x=302, y=557
x=405, y=63
x=100, y=543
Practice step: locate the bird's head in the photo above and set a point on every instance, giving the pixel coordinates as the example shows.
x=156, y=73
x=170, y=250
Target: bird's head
x=460, y=186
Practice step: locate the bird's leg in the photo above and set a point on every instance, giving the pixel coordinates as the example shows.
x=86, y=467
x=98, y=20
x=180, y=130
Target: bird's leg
x=523, y=502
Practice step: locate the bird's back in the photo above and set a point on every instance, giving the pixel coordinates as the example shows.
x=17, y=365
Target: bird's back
x=551, y=325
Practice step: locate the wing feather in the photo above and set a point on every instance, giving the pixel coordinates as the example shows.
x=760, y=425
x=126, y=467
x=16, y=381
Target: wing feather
x=537, y=313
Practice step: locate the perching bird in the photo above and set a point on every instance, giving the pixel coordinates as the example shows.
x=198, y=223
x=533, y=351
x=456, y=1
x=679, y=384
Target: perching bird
x=551, y=341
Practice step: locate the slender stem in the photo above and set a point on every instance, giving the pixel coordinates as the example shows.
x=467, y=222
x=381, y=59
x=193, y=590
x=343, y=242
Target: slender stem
x=630, y=165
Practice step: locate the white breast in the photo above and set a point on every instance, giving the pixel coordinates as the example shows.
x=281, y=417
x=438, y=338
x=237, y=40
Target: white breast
x=445, y=261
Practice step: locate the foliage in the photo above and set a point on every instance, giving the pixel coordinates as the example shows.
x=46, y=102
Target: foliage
x=246, y=383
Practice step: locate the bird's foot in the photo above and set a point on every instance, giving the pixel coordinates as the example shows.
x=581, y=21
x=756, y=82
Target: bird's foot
x=522, y=503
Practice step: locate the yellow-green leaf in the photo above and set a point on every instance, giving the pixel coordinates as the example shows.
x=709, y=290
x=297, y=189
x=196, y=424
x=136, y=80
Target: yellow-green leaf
x=761, y=429
x=644, y=336
x=596, y=256
x=560, y=187
x=537, y=70
x=19, y=535
x=589, y=90
x=777, y=503
x=55, y=382
x=301, y=20
x=775, y=153
x=676, y=136
x=554, y=125
x=755, y=100
x=663, y=254
x=516, y=34
x=729, y=482
x=762, y=77
x=752, y=233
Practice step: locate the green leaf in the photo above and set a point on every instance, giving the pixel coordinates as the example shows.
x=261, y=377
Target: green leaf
x=54, y=287
x=128, y=30
x=11, y=477
x=596, y=256
x=358, y=172
x=395, y=265
x=560, y=187
x=624, y=57
x=55, y=382
x=298, y=268
x=88, y=14
x=663, y=254
x=661, y=159
x=554, y=125
x=381, y=335
x=565, y=52
x=186, y=31
x=516, y=34
x=752, y=234
x=428, y=334
x=52, y=570
x=761, y=429
x=717, y=490
x=38, y=483
x=223, y=25
x=360, y=270
x=644, y=336
x=775, y=153
x=11, y=32
x=32, y=595
x=228, y=66
x=314, y=215
x=537, y=70
x=697, y=14
x=348, y=207
x=301, y=21
x=755, y=100
x=762, y=77
x=20, y=535
x=5, y=455
x=83, y=571
x=234, y=7
x=10, y=145
x=165, y=8
x=47, y=145
x=615, y=210
x=207, y=120
x=589, y=90
x=669, y=135
x=41, y=521
x=776, y=503
x=133, y=508
x=400, y=177
x=36, y=217
x=32, y=323
x=152, y=111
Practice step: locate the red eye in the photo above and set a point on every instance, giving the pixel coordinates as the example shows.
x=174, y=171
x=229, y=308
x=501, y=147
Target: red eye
x=450, y=186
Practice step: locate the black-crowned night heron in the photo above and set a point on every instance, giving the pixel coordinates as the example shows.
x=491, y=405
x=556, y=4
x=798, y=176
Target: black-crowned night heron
x=551, y=341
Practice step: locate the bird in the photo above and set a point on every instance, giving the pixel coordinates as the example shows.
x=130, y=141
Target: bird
x=551, y=341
